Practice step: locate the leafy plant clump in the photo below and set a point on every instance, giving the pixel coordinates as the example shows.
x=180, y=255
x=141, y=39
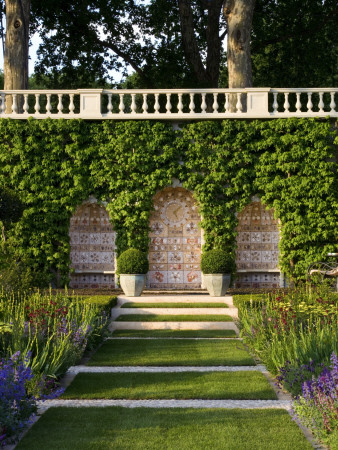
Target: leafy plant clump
x=132, y=261
x=216, y=261
x=317, y=407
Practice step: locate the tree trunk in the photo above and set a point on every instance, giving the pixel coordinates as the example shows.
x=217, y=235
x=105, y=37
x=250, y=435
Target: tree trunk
x=238, y=14
x=16, y=47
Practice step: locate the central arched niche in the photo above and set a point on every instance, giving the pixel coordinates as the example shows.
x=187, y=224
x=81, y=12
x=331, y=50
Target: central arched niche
x=175, y=241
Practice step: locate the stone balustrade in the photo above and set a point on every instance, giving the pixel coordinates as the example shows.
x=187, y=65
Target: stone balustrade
x=169, y=104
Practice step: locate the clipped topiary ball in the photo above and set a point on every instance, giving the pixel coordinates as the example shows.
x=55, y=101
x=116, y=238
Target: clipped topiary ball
x=132, y=261
x=216, y=261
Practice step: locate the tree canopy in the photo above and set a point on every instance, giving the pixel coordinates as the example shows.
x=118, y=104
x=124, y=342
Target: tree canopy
x=181, y=43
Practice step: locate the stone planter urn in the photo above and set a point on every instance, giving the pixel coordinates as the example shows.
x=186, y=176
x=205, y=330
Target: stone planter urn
x=216, y=266
x=217, y=283
x=132, y=284
x=132, y=267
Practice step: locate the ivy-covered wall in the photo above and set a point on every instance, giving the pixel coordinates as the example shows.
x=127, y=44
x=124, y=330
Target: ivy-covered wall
x=54, y=165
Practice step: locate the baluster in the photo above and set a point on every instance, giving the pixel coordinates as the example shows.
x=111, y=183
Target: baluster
x=239, y=103
x=286, y=102
x=321, y=103
x=121, y=104
x=168, y=105
x=332, y=104
x=157, y=104
x=309, y=104
x=71, y=104
x=180, y=104
x=15, y=104
x=227, y=103
x=203, y=104
x=25, y=104
x=133, y=104
x=3, y=103
x=48, y=105
x=275, y=102
x=110, y=105
x=192, y=104
x=215, y=104
x=37, y=103
x=145, y=104
x=298, y=103
x=60, y=105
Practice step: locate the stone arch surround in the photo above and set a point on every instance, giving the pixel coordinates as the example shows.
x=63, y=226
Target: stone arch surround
x=175, y=241
x=257, y=247
x=92, y=241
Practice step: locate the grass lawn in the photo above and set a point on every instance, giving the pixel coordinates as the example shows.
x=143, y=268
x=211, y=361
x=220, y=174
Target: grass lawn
x=176, y=333
x=173, y=318
x=173, y=305
x=164, y=352
x=187, y=385
x=163, y=429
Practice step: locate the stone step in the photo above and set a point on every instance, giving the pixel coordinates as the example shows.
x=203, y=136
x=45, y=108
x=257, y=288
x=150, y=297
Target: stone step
x=175, y=311
x=186, y=298
x=173, y=326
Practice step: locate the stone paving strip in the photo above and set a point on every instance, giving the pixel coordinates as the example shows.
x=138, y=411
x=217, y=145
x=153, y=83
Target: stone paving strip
x=177, y=338
x=225, y=404
x=173, y=326
x=153, y=369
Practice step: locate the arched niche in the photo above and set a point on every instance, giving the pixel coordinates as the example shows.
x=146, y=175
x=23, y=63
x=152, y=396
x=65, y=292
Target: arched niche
x=92, y=241
x=257, y=247
x=175, y=241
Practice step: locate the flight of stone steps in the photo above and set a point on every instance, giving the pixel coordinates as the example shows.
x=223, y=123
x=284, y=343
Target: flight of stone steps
x=228, y=309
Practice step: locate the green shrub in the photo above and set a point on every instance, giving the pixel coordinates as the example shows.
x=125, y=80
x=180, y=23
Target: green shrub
x=132, y=261
x=216, y=261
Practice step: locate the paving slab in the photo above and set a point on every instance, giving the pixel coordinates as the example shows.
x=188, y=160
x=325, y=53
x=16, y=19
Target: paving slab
x=173, y=326
x=163, y=369
x=224, y=404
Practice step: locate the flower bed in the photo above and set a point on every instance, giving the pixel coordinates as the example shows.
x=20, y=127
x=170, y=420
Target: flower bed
x=295, y=333
x=40, y=337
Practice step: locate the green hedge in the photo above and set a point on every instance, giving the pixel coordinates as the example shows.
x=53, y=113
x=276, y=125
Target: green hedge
x=103, y=302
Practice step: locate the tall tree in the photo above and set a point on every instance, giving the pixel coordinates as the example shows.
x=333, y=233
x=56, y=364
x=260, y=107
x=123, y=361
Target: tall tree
x=16, y=44
x=238, y=14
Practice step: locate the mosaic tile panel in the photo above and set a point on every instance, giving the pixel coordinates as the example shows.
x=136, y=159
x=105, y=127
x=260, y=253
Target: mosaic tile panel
x=175, y=241
x=92, y=242
x=257, y=247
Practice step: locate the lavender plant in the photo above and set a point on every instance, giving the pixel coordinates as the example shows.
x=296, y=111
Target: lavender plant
x=317, y=407
x=16, y=407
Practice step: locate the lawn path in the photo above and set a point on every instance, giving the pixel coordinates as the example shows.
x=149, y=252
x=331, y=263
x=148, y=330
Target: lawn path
x=179, y=358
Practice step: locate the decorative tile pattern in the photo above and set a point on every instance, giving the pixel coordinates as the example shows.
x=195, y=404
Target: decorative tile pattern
x=175, y=241
x=92, y=242
x=257, y=247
